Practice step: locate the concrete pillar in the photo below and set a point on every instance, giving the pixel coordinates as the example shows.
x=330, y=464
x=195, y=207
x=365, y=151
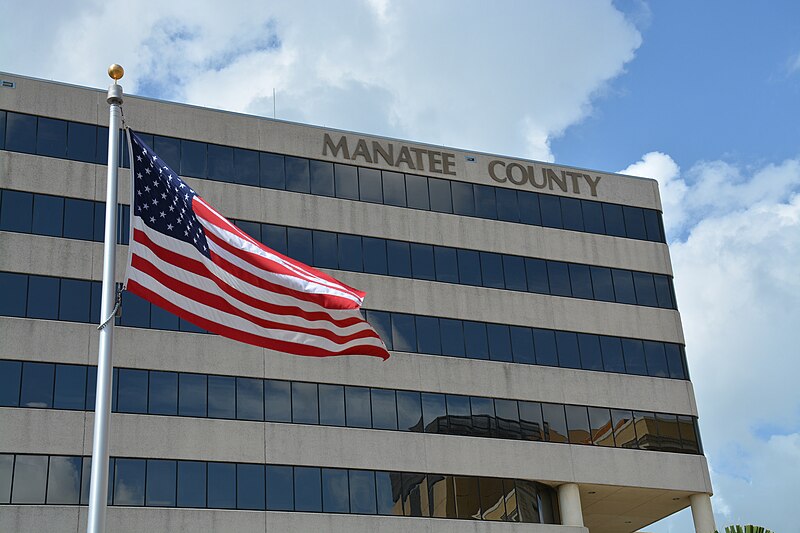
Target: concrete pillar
x=569, y=502
x=702, y=514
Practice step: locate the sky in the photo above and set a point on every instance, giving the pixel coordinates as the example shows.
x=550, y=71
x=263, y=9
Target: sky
x=702, y=96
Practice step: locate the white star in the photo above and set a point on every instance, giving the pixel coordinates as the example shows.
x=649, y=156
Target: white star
x=156, y=183
x=170, y=226
x=183, y=185
x=163, y=214
x=138, y=158
x=146, y=188
x=152, y=220
x=139, y=175
x=179, y=220
x=164, y=195
x=146, y=206
x=186, y=197
x=171, y=208
x=155, y=201
x=186, y=233
x=139, y=193
x=147, y=171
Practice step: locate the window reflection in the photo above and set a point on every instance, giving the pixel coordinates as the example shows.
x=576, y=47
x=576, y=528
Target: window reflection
x=468, y=503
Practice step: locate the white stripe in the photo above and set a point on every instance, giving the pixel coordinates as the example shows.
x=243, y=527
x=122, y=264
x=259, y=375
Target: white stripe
x=238, y=323
x=209, y=286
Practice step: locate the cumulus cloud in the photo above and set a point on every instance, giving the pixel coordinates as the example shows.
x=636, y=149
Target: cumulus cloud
x=467, y=74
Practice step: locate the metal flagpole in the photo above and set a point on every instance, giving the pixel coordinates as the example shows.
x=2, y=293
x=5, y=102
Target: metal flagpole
x=102, y=413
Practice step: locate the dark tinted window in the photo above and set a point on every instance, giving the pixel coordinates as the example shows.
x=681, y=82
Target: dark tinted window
x=614, y=221
x=249, y=399
x=555, y=424
x=507, y=205
x=78, y=219
x=357, y=407
x=441, y=199
x=578, y=424
x=536, y=274
x=346, y=181
x=446, y=264
x=645, y=290
x=485, y=202
x=634, y=222
x=74, y=300
x=656, y=359
x=374, y=255
x=280, y=488
x=221, y=485
x=277, y=401
x=193, y=159
x=567, y=346
x=522, y=345
x=468, y=503
x=362, y=492
x=51, y=138
x=129, y=482
x=220, y=163
x=37, y=385
x=551, y=211
x=422, y=266
x=601, y=426
x=384, y=409
x=624, y=429
x=558, y=274
x=48, y=215
x=221, y=397
x=492, y=270
x=297, y=174
x=469, y=267
x=321, y=175
x=613, y=360
x=326, y=254
x=389, y=488
x=382, y=322
x=580, y=281
x=307, y=489
x=544, y=341
x=428, y=337
x=331, y=405
x=484, y=422
x=409, y=411
x=674, y=361
x=132, y=391
x=272, y=171
x=191, y=484
x=529, y=208
x=434, y=412
x=70, y=387
x=20, y=133
x=404, y=336
x=245, y=164
x=335, y=491
x=572, y=214
x=530, y=418
x=633, y=350
x=417, y=191
x=16, y=211
x=463, y=198
x=514, y=273
x=646, y=429
x=476, y=341
x=663, y=292
x=10, y=376
x=192, y=400
x=413, y=491
x=274, y=237
x=169, y=149
x=43, y=297
x=499, y=342
x=623, y=286
x=492, y=499
x=250, y=488
x=161, y=483
x=591, y=356
x=299, y=245
x=394, y=189
x=459, y=416
x=652, y=225
x=441, y=496
x=602, y=286
x=2, y=141
x=593, y=217
x=305, y=403
x=399, y=258
x=370, y=186
x=507, y=413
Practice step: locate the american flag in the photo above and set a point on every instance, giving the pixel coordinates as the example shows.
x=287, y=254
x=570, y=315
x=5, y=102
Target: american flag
x=189, y=260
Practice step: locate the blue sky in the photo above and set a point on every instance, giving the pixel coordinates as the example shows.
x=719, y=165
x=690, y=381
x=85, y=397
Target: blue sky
x=702, y=96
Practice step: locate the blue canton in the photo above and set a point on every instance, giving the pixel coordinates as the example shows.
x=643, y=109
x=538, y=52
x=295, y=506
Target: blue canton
x=162, y=199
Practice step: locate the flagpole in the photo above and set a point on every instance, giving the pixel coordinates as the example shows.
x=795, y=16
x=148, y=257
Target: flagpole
x=102, y=413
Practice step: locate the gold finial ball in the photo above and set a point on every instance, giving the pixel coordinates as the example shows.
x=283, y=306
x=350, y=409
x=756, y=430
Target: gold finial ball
x=116, y=71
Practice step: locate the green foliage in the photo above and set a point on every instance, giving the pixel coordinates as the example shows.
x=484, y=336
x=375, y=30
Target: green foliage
x=746, y=529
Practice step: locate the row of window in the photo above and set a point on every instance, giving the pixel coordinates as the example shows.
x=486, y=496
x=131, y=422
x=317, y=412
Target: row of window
x=83, y=219
x=64, y=386
x=74, y=300
x=84, y=142
x=64, y=480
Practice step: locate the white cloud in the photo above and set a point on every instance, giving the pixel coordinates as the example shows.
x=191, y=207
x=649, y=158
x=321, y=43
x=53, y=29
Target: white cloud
x=793, y=65
x=468, y=74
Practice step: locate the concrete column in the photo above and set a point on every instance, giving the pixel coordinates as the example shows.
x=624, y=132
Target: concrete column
x=569, y=502
x=702, y=514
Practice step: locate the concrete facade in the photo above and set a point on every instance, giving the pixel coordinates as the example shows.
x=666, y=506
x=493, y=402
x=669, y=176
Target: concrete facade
x=618, y=489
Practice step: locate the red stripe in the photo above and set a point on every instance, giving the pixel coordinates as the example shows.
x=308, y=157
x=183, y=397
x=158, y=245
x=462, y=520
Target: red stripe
x=199, y=268
x=221, y=304
x=249, y=338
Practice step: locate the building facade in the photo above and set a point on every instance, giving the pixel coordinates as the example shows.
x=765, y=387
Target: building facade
x=538, y=377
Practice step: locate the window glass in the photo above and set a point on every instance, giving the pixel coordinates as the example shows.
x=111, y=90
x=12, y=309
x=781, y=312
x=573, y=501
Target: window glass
x=508, y=425
x=555, y=424
x=10, y=378
x=551, y=211
x=274, y=237
x=357, y=407
x=514, y=273
x=646, y=430
x=611, y=348
x=221, y=397
x=101, y=154
x=394, y=188
x=384, y=409
x=593, y=217
x=280, y=488
x=6, y=460
x=37, y=385
x=507, y=205
x=346, y=181
x=250, y=488
x=305, y=403
x=249, y=399
x=656, y=359
x=468, y=505
x=43, y=295
x=321, y=175
x=415, y=492
x=645, y=290
x=529, y=212
x=299, y=245
x=331, y=405
x=492, y=499
x=428, y=335
x=441, y=199
x=499, y=342
x=99, y=225
x=476, y=341
x=350, y=253
x=452, y=336
x=362, y=492
x=634, y=222
x=307, y=489
x=688, y=434
x=16, y=211
x=530, y=419
x=578, y=424
x=399, y=259
x=615, y=223
x=463, y=198
x=591, y=356
x=409, y=411
x=623, y=286
x=220, y=163
x=446, y=264
x=558, y=274
x=441, y=496
x=192, y=400
x=633, y=351
x=422, y=266
x=510, y=497
x=70, y=391
x=484, y=422
x=20, y=133
x=602, y=286
x=2, y=136
x=374, y=255
x=335, y=491
x=221, y=485
x=64, y=481
x=485, y=202
x=370, y=187
x=459, y=416
x=382, y=322
x=417, y=191
x=522, y=345
x=572, y=214
x=544, y=341
x=536, y=273
x=492, y=270
x=91, y=388
x=389, y=487
x=674, y=361
x=528, y=502
x=169, y=150
x=601, y=426
x=30, y=478
x=51, y=137
x=277, y=401
x=668, y=433
x=48, y=215
x=132, y=391
x=624, y=429
x=663, y=292
x=580, y=281
x=86, y=476
x=652, y=225
x=74, y=300
x=161, y=483
x=78, y=219
x=297, y=174
x=404, y=336
x=251, y=228
x=129, y=482
x=326, y=254
x=161, y=319
x=272, y=171
x=469, y=267
x=193, y=159
x=434, y=412
x=191, y=484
